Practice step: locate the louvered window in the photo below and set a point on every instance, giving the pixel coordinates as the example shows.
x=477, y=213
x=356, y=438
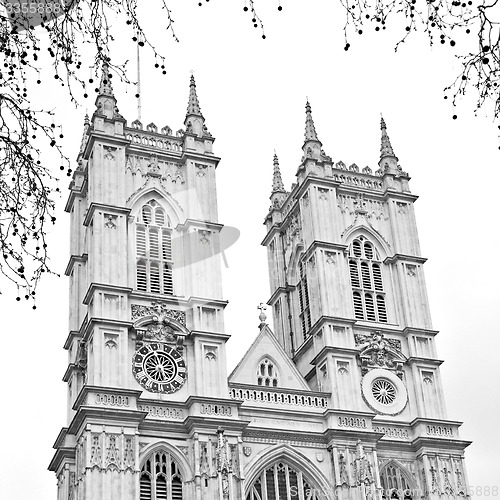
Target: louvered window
x=282, y=482
x=365, y=271
x=160, y=478
x=154, y=250
x=305, y=311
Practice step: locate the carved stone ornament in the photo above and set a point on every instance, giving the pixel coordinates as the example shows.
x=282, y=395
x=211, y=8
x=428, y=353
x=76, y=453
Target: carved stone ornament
x=447, y=486
x=96, y=451
x=362, y=468
x=379, y=352
x=344, y=476
x=294, y=230
x=110, y=221
x=160, y=332
x=112, y=453
x=223, y=463
x=247, y=451
x=320, y=457
x=129, y=454
x=434, y=480
x=161, y=312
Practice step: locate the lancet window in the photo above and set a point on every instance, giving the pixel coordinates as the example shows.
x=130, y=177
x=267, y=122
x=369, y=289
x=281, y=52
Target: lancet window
x=160, y=478
x=280, y=481
x=303, y=291
x=267, y=375
x=154, y=250
x=365, y=270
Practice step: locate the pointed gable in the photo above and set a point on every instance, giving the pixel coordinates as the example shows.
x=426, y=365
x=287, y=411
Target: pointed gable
x=265, y=346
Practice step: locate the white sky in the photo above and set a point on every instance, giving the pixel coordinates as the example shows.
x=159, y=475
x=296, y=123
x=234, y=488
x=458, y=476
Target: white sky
x=252, y=93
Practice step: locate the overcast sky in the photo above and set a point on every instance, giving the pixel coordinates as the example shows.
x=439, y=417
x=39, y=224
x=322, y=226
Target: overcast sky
x=252, y=93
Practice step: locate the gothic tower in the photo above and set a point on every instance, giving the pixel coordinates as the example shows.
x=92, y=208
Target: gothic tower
x=344, y=398
x=350, y=309
x=146, y=347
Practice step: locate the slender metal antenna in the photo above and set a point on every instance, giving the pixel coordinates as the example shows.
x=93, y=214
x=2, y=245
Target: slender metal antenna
x=139, y=107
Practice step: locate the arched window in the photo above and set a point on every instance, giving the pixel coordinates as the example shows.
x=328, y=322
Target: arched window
x=282, y=482
x=154, y=250
x=394, y=483
x=305, y=311
x=267, y=375
x=160, y=478
x=365, y=270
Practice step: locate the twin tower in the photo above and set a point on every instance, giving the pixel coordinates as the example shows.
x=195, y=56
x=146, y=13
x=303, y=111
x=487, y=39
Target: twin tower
x=342, y=400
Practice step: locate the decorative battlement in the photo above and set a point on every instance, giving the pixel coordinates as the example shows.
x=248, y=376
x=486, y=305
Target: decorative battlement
x=152, y=139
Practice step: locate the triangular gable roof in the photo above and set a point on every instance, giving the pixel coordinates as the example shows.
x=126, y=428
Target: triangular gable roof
x=266, y=345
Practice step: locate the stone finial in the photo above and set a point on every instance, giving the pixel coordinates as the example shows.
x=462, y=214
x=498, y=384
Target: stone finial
x=385, y=146
x=262, y=315
x=105, y=87
x=360, y=452
x=278, y=186
x=310, y=133
x=193, y=103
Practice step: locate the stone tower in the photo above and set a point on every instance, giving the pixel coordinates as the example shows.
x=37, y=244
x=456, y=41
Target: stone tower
x=350, y=309
x=343, y=399
x=146, y=345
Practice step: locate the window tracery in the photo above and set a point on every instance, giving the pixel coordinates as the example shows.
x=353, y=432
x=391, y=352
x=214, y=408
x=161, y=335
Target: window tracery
x=154, y=250
x=267, y=375
x=280, y=481
x=160, y=478
x=394, y=484
x=365, y=270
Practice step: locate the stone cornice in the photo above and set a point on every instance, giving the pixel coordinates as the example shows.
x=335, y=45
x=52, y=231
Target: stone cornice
x=73, y=260
x=102, y=137
x=109, y=416
x=408, y=330
x=313, y=179
x=105, y=321
x=425, y=445
x=69, y=371
x=323, y=244
x=334, y=350
x=62, y=454
x=404, y=196
x=425, y=361
x=206, y=157
x=194, y=423
x=404, y=257
x=202, y=224
x=279, y=291
x=81, y=399
x=275, y=228
x=93, y=287
x=69, y=339
x=108, y=208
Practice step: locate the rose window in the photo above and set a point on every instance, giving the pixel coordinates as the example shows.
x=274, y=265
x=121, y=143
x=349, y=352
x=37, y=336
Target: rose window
x=160, y=366
x=384, y=391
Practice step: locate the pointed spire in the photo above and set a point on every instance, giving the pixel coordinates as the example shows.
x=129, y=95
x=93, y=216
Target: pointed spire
x=193, y=103
x=86, y=126
x=310, y=133
x=278, y=186
x=105, y=87
x=385, y=146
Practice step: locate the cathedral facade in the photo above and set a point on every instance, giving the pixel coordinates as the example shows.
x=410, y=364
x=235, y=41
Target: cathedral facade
x=342, y=400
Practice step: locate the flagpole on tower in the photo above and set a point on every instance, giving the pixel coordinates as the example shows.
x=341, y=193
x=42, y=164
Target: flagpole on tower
x=139, y=107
